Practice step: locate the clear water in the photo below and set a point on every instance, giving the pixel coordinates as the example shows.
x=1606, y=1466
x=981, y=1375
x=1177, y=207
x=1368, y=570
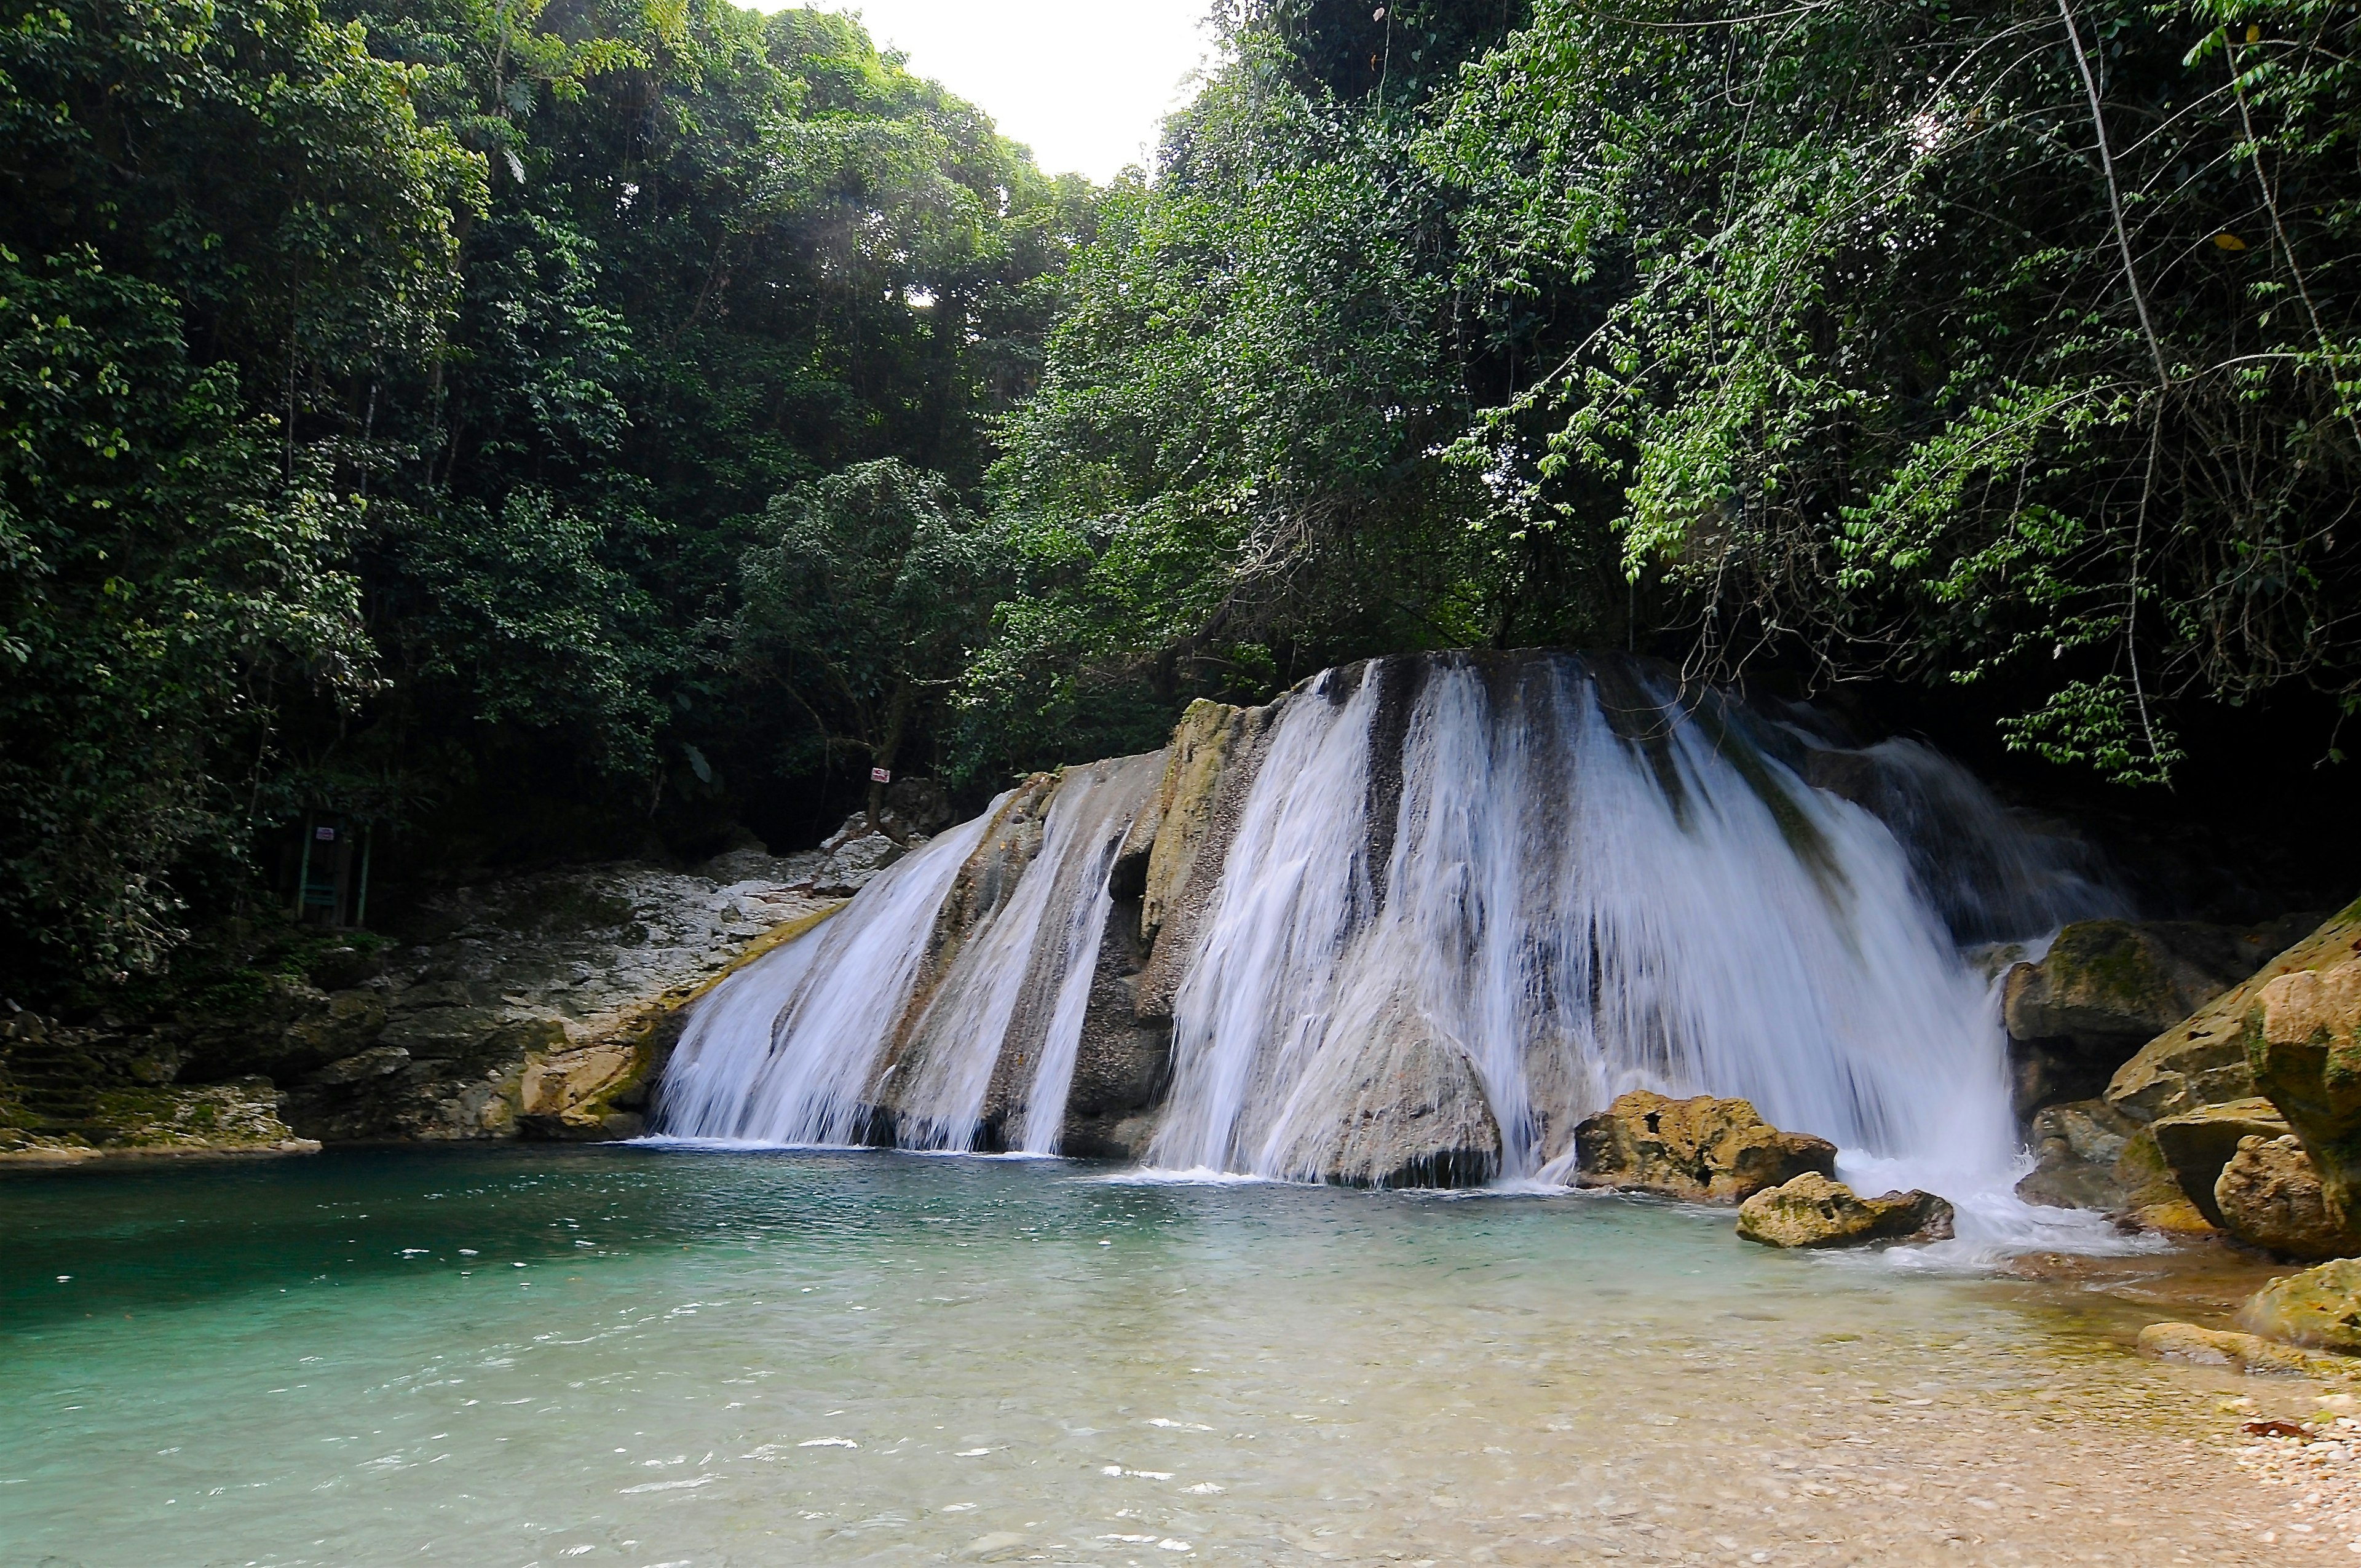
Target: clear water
x=640, y=1357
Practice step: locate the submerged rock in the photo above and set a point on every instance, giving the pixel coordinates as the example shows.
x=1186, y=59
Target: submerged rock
x=1703, y=1149
x=2240, y=1351
x=2303, y=1039
x=1814, y=1212
x=2319, y=1309
x=2269, y=1196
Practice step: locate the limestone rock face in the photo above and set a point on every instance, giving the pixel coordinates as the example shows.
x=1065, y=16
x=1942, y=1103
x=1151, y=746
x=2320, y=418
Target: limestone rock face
x=854, y=860
x=1121, y=1064
x=2196, y=1145
x=2269, y=1196
x=1415, y=1113
x=1814, y=1212
x=1212, y=764
x=2302, y=1039
x=2319, y=1309
x=2203, y=1059
x=2107, y=987
x=1705, y=1150
x=2075, y=1147
x=538, y=1007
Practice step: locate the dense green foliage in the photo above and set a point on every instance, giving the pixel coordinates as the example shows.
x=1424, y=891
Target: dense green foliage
x=2010, y=342
x=540, y=425
x=863, y=603
x=390, y=393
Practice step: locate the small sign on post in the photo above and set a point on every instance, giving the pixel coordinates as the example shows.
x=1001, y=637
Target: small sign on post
x=881, y=775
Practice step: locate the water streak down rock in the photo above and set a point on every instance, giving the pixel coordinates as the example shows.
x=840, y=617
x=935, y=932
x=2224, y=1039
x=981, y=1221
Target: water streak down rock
x=1411, y=923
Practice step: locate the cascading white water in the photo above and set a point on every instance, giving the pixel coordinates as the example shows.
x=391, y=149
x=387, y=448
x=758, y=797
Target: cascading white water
x=820, y=1042
x=1040, y=947
x=781, y=1052
x=1577, y=911
x=1474, y=897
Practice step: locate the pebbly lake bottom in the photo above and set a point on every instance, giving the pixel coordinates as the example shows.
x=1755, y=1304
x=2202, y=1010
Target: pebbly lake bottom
x=691, y=1359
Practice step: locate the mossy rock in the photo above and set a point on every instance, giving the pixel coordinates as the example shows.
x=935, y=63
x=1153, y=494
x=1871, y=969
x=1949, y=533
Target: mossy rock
x=2319, y=1309
x=2302, y=1039
x=1702, y=1149
x=2152, y=1191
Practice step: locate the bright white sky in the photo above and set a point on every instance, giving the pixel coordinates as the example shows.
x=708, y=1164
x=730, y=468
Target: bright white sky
x=1084, y=84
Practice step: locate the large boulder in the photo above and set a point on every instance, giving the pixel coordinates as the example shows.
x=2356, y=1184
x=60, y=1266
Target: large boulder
x=1813, y=1212
x=2196, y=1145
x=2269, y=1196
x=2075, y=1149
x=1703, y=1149
x=1414, y=1111
x=2319, y=1309
x=2302, y=1039
x=2203, y=1059
x=2107, y=987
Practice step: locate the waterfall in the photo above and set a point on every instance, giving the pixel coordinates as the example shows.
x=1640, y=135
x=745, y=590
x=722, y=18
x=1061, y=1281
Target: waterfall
x=1587, y=887
x=1434, y=912
x=892, y=1023
x=780, y=1051
x=1008, y=1006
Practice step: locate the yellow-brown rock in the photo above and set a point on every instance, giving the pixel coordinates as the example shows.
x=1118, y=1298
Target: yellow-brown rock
x=2196, y=1145
x=1175, y=826
x=2202, y=1061
x=2153, y=1196
x=2319, y=1309
x=2240, y=1351
x=1813, y=1212
x=1703, y=1149
x=2269, y=1196
x=2302, y=1039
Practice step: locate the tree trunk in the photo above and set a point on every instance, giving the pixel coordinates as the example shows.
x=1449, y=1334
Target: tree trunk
x=880, y=756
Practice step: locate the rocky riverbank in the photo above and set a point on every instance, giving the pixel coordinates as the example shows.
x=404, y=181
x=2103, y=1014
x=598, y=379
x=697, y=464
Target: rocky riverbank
x=534, y=1007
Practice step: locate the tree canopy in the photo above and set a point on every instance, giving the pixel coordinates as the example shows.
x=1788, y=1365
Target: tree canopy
x=547, y=427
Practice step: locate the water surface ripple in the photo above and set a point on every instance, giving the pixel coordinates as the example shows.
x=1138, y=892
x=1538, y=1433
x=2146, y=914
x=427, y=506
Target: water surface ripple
x=646, y=1356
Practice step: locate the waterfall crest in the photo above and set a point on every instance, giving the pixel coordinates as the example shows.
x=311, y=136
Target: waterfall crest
x=1410, y=924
